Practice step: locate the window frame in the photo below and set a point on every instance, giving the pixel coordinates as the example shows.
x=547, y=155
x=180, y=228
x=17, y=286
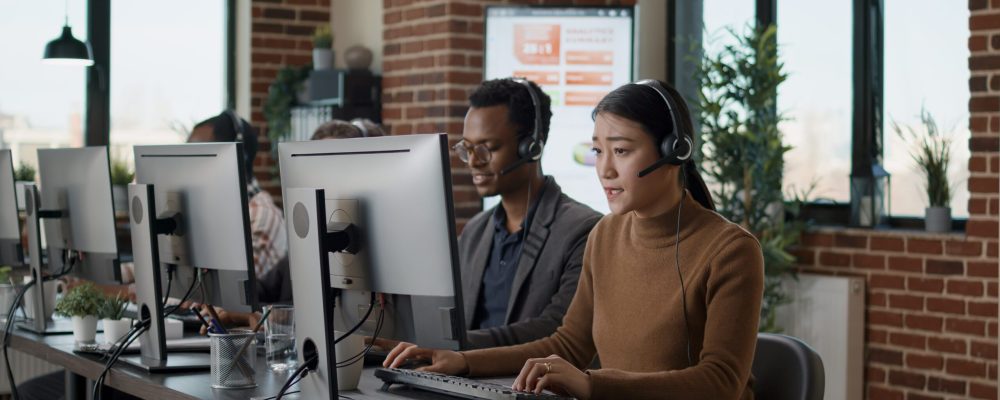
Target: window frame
x=97, y=105
x=867, y=136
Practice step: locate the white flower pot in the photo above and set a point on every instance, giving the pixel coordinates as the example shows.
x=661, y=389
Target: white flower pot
x=937, y=219
x=84, y=328
x=322, y=59
x=115, y=329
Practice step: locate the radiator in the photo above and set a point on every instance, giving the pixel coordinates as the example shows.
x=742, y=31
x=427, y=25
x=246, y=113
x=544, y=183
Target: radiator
x=828, y=313
x=25, y=367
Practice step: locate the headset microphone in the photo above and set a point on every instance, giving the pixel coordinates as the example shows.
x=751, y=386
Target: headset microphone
x=514, y=165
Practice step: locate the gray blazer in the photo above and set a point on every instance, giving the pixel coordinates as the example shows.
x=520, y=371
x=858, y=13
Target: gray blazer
x=547, y=272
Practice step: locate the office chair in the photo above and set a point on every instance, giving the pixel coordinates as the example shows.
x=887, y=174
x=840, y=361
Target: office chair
x=785, y=368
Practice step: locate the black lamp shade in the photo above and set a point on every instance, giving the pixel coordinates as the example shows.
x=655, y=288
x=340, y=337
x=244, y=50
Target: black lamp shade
x=68, y=50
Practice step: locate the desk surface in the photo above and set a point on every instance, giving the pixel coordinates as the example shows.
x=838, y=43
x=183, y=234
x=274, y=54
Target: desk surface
x=58, y=349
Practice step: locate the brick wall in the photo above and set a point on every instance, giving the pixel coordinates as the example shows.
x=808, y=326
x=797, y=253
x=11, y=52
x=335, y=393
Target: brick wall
x=433, y=58
x=931, y=328
x=281, y=35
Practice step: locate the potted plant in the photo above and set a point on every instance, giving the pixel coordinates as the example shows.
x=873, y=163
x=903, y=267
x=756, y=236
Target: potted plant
x=82, y=304
x=121, y=176
x=932, y=154
x=323, y=47
x=22, y=175
x=111, y=312
x=282, y=95
x=742, y=152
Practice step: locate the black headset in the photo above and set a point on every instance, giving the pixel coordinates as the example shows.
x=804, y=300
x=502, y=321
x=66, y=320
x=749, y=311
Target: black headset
x=676, y=147
x=361, y=127
x=529, y=148
x=237, y=125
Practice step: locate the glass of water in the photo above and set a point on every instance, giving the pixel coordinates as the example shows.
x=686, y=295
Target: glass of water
x=280, y=338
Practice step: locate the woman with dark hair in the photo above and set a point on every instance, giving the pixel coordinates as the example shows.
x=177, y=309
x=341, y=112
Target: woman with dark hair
x=669, y=297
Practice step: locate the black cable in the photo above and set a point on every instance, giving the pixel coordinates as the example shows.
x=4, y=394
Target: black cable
x=361, y=356
x=170, y=283
x=6, y=339
x=677, y=264
x=127, y=340
x=294, y=378
x=360, y=323
x=196, y=282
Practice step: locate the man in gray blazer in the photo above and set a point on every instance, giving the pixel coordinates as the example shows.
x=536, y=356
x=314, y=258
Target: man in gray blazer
x=521, y=259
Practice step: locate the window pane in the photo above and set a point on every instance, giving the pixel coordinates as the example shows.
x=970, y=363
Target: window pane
x=41, y=105
x=926, y=55
x=721, y=15
x=167, y=73
x=815, y=44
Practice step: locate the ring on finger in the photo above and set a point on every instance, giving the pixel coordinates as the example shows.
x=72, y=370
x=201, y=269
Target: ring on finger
x=548, y=367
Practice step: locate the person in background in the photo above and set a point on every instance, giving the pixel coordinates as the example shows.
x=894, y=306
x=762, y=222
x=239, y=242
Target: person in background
x=670, y=292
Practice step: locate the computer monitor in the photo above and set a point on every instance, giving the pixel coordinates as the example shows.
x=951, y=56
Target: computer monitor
x=77, y=181
x=189, y=213
x=11, y=251
x=74, y=206
x=388, y=200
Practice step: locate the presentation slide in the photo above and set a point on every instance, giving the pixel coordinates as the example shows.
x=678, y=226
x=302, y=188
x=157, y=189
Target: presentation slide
x=577, y=55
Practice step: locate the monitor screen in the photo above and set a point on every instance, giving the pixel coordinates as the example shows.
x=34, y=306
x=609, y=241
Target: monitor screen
x=397, y=191
x=203, y=186
x=10, y=225
x=77, y=182
x=577, y=55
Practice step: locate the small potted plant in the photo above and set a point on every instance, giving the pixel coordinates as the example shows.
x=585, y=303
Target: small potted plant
x=22, y=175
x=82, y=304
x=112, y=312
x=932, y=155
x=323, y=48
x=121, y=176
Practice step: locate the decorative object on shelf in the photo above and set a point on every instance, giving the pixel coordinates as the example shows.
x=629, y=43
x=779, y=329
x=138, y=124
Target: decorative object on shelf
x=932, y=154
x=358, y=57
x=22, y=175
x=66, y=49
x=82, y=304
x=121, y=176
x=744, y=152
x=323, y=56
x=112, y=311
x=282, y=95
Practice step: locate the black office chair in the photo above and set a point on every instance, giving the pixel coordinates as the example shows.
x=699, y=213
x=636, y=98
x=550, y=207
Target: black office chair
x=785, y=368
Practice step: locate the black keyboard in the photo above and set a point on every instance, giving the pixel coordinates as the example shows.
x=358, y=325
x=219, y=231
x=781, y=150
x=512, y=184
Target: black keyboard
x=455, y=386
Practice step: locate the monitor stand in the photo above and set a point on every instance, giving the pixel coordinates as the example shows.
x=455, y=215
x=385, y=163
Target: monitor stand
x=146, y=256
x=308, y=248
x=33, y=221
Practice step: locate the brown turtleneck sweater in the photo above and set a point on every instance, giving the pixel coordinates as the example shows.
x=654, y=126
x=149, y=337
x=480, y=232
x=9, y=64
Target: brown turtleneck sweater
x=627, y=310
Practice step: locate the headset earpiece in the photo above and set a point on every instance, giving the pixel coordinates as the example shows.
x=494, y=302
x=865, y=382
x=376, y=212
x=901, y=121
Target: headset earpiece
x=529, y=148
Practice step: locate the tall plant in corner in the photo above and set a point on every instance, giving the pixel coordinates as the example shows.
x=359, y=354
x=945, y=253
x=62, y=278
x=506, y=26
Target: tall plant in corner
x=743, y=152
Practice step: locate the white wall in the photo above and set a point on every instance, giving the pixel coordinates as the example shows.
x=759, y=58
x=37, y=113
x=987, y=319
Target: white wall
x=357, y=22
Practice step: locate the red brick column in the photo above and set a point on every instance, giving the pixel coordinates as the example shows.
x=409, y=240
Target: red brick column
x=281, y=35
x=433, y=58
x=931, y=317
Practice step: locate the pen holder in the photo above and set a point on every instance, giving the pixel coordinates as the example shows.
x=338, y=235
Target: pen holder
x=233, y=356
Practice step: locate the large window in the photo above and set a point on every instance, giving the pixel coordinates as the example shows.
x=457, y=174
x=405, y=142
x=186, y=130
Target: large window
x=720, y=16
x=925, y=62
x=815, y=46
x=41, y=105
x=168, y=72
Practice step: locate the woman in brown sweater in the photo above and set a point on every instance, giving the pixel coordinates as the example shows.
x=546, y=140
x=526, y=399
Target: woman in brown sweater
x=655, y=336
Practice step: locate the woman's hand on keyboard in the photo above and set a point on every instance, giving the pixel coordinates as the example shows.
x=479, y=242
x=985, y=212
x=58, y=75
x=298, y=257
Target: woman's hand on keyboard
x=442, y=361
x=555, y=374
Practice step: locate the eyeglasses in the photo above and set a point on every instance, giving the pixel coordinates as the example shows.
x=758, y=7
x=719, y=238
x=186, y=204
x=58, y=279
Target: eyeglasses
x=483, y=154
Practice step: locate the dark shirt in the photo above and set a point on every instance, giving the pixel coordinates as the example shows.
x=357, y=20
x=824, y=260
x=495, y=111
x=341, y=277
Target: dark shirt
x=498, y=278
